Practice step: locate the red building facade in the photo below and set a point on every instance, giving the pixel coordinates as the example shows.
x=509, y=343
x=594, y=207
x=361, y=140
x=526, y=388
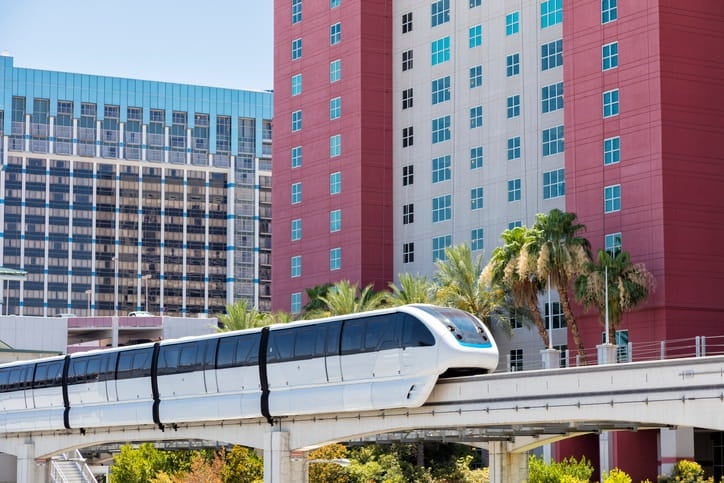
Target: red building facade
x=332, y=183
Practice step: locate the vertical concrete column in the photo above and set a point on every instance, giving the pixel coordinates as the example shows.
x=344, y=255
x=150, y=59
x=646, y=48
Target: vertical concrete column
x=551, y=358
x=675, y=445
x=28, y=471
x=506, y=466
x=277, y=458
x=607, y=353
x=604, y=452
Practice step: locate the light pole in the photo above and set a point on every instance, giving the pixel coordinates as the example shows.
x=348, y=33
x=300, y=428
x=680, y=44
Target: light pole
x=115, y=286
x=88, y=293
x=146, y=278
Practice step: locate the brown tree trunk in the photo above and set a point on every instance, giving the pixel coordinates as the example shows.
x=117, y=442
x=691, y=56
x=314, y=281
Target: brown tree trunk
x=571, y=321
x=539, y=322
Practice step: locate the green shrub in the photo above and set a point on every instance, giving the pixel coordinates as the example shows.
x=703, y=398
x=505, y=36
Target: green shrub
x=567, y=471
x=617, y=476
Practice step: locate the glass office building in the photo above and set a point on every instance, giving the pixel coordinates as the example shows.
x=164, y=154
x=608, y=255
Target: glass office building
x=122, y=194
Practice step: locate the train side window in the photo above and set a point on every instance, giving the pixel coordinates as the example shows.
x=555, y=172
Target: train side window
x=392, y=328
x=189, y=360
x=21, y=378
x=41, y=375
x=135, y=363
x=210, y=353
x=77, y=370
x=168, y=359
x=332, y=338
x=108, y=366
x=373, y=333
x=415, y=334
x=305, y=343
x=352, y=336
x=225, y=352
x=4, y=380
x=247, y=350
x=93, y=369
x=281, y=345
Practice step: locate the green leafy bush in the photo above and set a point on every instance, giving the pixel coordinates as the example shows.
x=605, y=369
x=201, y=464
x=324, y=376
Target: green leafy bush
x=569, y=470
x=617, y=476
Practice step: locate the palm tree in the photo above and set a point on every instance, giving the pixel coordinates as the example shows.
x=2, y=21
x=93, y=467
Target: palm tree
x=239, y=316
x=313, y=294
x=557, y=253
x=458, y=282
x=502, y=270
x=629, y=285
x=345, y=298
x=413, y=289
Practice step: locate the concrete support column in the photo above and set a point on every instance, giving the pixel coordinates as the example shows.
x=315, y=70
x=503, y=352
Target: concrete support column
x=28, y=471
x=607, y=353
x=675, y=445
x=505, y=466
x=278, y=459
x=604, y=452
x=551, y=358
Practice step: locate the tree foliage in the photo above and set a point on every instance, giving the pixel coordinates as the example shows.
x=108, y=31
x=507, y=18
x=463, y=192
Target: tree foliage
x=345, y=297
x=139, y=465
x=569, y=470
x=413, y=289
x=240, y=316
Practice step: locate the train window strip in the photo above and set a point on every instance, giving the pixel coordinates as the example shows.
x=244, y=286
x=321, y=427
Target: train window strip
x=134, y=363
x=48, y=374
x=186, y=357
x=92, y=368
x=16, y=378
x=238, y=351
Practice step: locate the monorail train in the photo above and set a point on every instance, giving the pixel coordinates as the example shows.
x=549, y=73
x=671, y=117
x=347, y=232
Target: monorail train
x=381, y=359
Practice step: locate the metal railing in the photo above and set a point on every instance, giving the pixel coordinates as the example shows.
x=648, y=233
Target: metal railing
x=79, y=464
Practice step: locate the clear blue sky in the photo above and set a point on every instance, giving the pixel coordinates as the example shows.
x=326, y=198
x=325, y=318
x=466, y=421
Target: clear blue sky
x=219, y=43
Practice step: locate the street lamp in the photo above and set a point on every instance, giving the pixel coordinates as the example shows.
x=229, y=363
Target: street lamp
x=146, y=277
x=88, y=293
x=115, y=286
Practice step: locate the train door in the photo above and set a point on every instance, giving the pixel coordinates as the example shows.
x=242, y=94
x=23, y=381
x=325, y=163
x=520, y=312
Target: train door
x=418, y=352
x=332, y=359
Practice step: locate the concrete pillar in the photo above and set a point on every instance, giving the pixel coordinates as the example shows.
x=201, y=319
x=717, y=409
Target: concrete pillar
x=604, y=452
x=551, y=358
x=607, y=353
x=675, y=445
x=28, y=470
x=505, y=466
x=278, y=459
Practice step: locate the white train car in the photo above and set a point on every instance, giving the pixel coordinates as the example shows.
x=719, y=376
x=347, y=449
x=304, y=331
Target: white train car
x=373, y=360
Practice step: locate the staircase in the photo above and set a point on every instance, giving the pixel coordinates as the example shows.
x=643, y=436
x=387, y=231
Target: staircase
x=70, y=469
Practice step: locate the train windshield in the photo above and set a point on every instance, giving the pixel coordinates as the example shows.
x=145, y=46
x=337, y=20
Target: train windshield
x=466, y=328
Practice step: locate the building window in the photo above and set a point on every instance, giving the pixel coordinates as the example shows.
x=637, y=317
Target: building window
x=477, y=239
x=552, y=97
x=516, y=360
x=554, y=184
x=439, y=244
x=512, y=23
x=296, y=48
x=441, y=208
x=406, y=60
x=476, y=198
x=296, y=302
x=476, y=76
x=335, y=108
x=335, y=220
x=296, y=193
x=297, y=229
x=335, y=145
x=609, y=56
x=296, y=11
x=407, y=98
x=551, y=13
x=335, y=70
x=296, y=84
x=513, y=106
x=335, y=183
x=476, y=157
x=514, y=148
x=407, y=22
x=512, y=65
x=475, y=3
x=408, y=214
x=514, y=190
x=612, y=244
x=610, y=103
x=335, y=33
x=612, y=198
x=408, y=252
x=551, y=54
x=296, y=156
x=408, y=175
x=296, y=266
x=440, y=12
x=476, y=117
x=441, y=90
x=475, y=36
x=441, y=169
x=407, y=137
x=611, y=150
x=554, y=316
x=553, y=141
x=334, y=3
x=609, y=12
x=514, y=224
x=440, y=50
x=296, y=121
x=440, y=129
